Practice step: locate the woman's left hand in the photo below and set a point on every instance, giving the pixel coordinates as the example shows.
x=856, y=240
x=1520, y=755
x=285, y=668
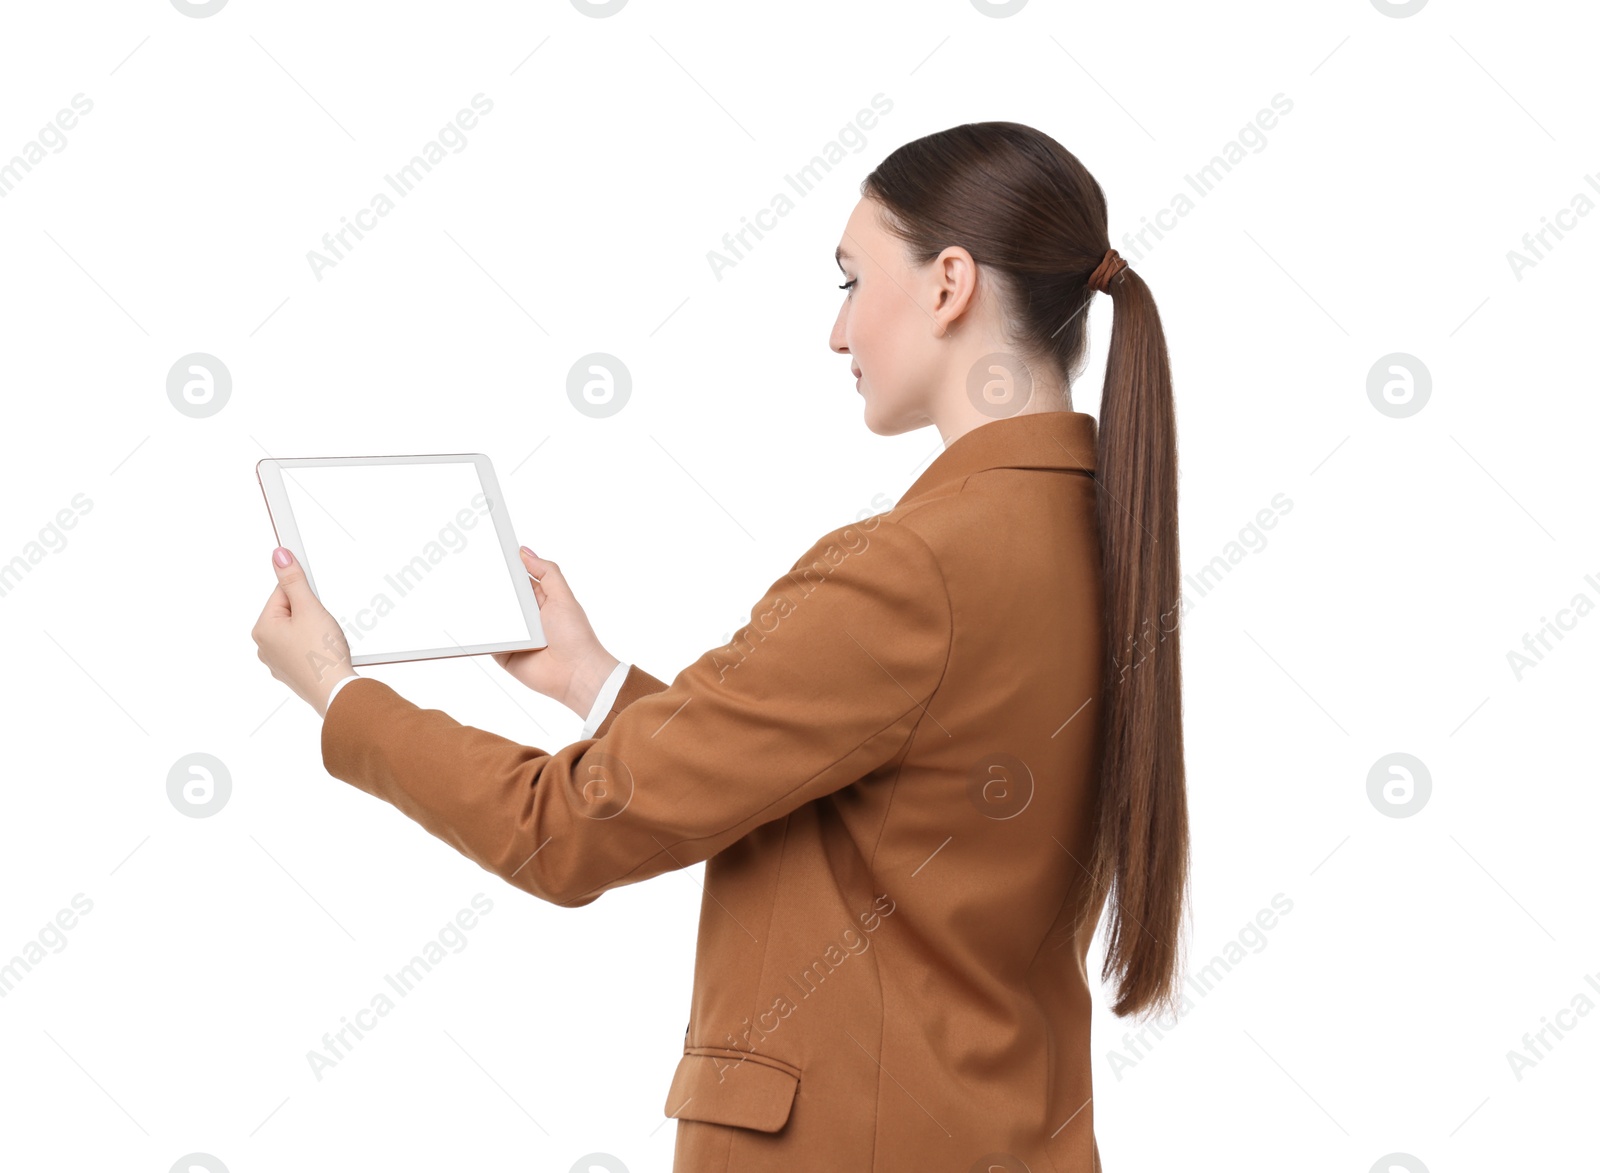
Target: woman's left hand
x=298, y=639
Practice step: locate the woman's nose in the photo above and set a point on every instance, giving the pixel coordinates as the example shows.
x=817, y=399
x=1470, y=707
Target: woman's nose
x=836, y=340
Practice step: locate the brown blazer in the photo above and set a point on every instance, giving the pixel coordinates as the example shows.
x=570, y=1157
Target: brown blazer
x=888, y=773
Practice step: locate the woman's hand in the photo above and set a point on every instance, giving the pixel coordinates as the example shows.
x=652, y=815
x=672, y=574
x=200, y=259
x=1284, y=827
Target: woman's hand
x=298, y=639
x=574, y=665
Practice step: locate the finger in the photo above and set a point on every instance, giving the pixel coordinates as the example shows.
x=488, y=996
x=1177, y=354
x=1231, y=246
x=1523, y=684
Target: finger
x=546, y=571
x=292, y=578
x=530, y=563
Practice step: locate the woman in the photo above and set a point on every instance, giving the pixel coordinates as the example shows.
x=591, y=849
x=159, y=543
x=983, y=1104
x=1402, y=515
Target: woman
x=947, y=738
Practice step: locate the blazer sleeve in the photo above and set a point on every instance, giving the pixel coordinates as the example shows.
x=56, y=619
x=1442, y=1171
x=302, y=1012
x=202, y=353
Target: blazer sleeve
x=824, y=684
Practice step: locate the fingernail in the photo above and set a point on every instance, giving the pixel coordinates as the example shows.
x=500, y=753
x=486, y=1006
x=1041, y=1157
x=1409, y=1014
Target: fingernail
x=529, y=552
x=281, y=556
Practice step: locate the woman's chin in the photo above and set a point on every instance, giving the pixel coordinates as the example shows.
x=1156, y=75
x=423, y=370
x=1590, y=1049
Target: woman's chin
x=870, y=418
x=880, y=425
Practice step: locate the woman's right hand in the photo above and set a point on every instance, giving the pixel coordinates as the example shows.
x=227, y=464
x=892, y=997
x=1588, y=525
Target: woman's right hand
x=574, y=666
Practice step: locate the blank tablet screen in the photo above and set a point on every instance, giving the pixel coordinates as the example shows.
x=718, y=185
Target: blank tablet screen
x=405, y=556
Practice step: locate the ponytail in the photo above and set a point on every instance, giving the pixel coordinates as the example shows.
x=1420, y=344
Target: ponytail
x=1141, y=856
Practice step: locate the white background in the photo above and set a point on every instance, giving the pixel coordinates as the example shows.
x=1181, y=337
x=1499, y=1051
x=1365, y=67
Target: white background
x=1377, y=618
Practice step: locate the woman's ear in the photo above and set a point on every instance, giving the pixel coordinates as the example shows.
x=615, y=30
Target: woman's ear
x=954, y=285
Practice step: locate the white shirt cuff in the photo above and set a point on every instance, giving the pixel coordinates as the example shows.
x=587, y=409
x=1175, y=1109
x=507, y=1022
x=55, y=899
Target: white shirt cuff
x=607, y=698
x=335, y=692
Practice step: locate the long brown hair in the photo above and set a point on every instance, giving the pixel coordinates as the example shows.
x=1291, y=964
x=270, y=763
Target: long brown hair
x=1032, y=215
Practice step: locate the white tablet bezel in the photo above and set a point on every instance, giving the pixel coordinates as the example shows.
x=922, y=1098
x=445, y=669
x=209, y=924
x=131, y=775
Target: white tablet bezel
x=270, y=473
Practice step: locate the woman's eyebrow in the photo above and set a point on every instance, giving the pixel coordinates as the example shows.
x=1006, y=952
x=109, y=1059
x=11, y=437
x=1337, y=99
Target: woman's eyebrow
x=838, y=253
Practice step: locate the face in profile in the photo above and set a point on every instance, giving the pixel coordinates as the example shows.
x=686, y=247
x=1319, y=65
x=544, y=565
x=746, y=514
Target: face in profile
x=884, y=324
x=915, y=333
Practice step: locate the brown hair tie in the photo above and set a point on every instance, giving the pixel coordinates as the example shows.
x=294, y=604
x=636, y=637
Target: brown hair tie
x=1109, y=267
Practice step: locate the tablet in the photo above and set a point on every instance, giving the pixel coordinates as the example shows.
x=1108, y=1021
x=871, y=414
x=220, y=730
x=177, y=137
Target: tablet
x=415, y=556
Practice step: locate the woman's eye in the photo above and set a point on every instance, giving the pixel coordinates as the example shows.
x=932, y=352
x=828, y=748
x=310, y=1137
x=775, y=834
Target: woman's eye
x=848, y=283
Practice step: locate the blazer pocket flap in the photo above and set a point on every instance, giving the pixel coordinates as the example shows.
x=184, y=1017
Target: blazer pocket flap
x=726, y=1086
